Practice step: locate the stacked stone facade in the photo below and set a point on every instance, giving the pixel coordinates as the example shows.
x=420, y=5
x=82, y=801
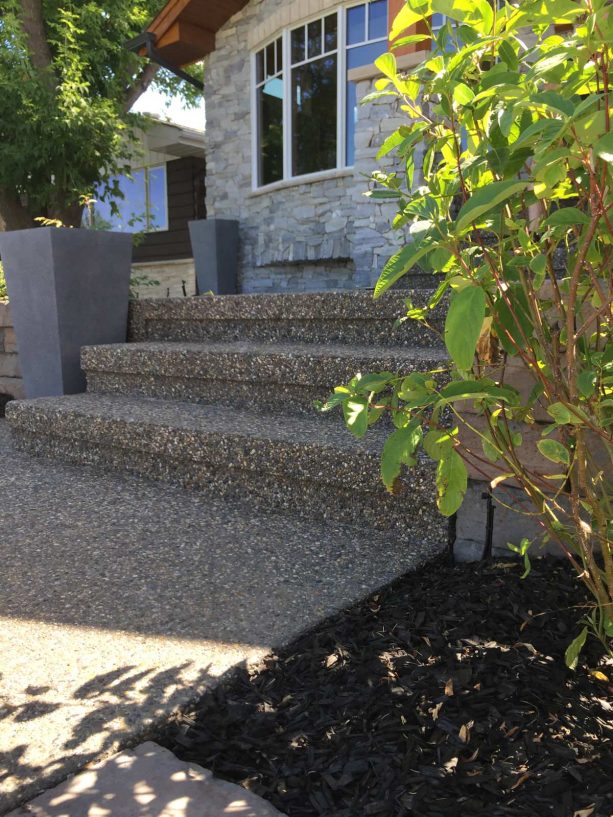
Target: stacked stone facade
x=11, y=384
x=295, y=236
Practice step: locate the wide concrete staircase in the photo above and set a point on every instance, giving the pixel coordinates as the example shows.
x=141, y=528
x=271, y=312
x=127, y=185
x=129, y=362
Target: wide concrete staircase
x=216, y=393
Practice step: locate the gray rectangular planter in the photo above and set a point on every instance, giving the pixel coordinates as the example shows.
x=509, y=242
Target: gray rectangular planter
x=215, y=249
x=67, y=289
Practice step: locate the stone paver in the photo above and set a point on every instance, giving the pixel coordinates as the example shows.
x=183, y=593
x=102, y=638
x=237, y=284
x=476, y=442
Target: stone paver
x=122, y=599
x=147, y=782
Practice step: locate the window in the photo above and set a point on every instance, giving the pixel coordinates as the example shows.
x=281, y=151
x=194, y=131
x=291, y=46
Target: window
x=314, y=62
x=305, y=108
x=143, y=207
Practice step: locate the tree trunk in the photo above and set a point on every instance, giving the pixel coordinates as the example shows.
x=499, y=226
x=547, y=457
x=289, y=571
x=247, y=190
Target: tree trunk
x=69, y=214
x=33, y=24
x=13, y=215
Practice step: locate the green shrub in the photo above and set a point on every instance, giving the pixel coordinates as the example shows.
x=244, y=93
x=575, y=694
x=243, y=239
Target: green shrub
x=515, y=122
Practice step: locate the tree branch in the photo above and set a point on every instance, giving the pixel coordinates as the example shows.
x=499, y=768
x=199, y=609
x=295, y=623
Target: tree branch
x=142, y=82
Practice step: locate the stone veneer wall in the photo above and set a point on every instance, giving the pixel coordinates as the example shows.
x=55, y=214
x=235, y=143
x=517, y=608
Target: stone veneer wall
x=299, y=236
x=10, y=371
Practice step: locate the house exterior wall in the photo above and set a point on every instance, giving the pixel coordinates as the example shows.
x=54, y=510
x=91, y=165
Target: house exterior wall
x=185, y=200
x=294, y=236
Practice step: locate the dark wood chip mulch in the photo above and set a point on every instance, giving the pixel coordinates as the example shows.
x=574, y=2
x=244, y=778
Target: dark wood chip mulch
x=444, y=694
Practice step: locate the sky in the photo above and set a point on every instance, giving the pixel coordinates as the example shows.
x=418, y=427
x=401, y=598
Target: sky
x=154, y=102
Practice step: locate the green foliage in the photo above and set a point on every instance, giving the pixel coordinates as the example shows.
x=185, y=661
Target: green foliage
x=139, y=281
x=64, y=126
x=3, y=292
x=512, y=211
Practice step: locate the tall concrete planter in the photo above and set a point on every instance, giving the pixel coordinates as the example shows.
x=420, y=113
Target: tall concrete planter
x=215, y=250
x=67, y=289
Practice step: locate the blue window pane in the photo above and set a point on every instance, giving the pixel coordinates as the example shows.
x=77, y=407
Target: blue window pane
x=365, y=54
x=158, y=214
x=377, y=19
x=133, y=207
x=356, y=24
x=438, y=20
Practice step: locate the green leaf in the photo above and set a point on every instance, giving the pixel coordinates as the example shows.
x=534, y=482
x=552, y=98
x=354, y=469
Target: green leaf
x=538, y=265
x=554, y=451
x=604, y=147
x=392, y=141
x=401, y=263
x=486, y=199
x=355, y=410
x=438, y=442
x=373, y=382
x=567, y=216
x=451, y=483
x=462, y=94
x=405, y=18
x=386, y=63
x=479, y=390
x=399, y=450
x=559, y=412
x=553, y=100
x=463, y=325
x=564, y=416
x=586, y=381
x=489, y=449
x=571, y=656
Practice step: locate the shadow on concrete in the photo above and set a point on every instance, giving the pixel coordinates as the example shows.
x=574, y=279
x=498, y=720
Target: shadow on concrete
x=126, y=705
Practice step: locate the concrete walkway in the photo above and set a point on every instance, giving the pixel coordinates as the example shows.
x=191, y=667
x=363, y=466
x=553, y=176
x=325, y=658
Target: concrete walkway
x=122, y=599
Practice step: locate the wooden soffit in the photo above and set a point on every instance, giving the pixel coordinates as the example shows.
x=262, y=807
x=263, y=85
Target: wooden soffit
x=185, y=30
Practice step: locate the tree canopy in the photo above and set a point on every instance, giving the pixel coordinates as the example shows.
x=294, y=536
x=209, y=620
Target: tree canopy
x=67, y=85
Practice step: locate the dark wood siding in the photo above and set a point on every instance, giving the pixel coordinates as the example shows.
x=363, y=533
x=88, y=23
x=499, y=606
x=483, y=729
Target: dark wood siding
x=185, y=179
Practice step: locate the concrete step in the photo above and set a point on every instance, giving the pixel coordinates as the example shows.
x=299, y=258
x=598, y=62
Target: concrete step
x=298, y=465
x=287, y=376
x=320, y=317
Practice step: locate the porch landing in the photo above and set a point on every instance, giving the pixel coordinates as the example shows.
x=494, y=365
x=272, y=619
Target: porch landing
x=122, y=599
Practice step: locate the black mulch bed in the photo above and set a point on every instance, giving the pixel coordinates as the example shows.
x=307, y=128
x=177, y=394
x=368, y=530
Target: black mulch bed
x=444, y=694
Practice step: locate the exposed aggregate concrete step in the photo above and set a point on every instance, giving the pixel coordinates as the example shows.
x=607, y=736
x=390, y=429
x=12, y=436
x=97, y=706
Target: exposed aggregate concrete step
x=285, y=376
x=298, y=465
x=317, y=317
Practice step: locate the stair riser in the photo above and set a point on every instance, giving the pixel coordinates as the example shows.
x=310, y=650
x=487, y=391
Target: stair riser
x=270, y=382
x=307, y=481
x=290, y=399
x=346, y=318
x=379, y=333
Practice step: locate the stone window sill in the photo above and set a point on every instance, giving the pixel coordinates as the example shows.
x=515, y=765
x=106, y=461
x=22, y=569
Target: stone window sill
x=311, y=178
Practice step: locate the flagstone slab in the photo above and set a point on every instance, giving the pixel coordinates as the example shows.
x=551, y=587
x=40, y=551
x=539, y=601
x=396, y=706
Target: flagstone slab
x=147, y=782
